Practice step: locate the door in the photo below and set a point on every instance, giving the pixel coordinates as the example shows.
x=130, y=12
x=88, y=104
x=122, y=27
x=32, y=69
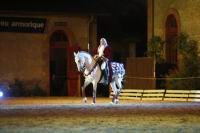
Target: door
x=58, y=63
x=171, y=34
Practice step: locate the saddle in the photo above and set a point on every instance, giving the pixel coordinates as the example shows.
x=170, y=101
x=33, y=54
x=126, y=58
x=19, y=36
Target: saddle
x=108, y=67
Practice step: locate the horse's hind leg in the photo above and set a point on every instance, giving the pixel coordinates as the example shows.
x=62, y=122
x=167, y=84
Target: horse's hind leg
x=117, y=97
x=114, y=89
x=118, y=90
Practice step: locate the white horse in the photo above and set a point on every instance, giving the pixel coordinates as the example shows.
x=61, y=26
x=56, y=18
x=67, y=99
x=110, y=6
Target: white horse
x=92, y=73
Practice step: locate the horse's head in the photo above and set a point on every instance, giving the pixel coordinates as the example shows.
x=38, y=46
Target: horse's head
x=80, y=61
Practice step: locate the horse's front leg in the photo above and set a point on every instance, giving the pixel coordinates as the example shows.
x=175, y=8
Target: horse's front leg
x=86, y=83
x=94, y=92
x=83, y=94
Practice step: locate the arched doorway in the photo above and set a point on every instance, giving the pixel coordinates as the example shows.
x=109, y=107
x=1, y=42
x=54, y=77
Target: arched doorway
x=171, y=26
x=58, y=63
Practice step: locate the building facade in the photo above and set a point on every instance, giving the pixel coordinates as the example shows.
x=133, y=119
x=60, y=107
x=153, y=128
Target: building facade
x=167, y=18
x=38, y=48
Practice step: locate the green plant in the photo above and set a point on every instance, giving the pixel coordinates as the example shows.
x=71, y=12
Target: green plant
x=17, y=89
x=156, y=49
x=38, y=91
x=189, y=66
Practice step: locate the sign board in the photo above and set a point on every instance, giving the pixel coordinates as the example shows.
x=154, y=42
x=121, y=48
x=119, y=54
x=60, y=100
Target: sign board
x=22, y=24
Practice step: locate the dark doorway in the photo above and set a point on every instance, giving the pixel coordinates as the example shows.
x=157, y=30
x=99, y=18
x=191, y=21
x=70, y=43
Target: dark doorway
x=171, y=34
x=58, y=64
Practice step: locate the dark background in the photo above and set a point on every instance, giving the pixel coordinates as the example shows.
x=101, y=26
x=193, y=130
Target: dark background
x=117, y=20
x=120, y=21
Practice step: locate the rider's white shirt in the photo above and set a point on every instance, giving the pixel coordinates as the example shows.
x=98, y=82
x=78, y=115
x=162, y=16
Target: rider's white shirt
x=101, y=50
x=101, y=53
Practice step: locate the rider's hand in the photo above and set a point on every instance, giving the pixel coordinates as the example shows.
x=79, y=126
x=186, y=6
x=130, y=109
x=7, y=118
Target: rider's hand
x=96, y=56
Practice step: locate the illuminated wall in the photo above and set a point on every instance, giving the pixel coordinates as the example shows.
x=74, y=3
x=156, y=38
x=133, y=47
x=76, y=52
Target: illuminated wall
x=25, y=56
x=188, y=11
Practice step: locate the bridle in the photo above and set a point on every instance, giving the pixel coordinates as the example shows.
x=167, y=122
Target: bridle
x=82, y=69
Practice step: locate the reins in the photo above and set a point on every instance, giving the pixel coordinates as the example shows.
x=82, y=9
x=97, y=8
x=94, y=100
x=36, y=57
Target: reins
x=98, y=59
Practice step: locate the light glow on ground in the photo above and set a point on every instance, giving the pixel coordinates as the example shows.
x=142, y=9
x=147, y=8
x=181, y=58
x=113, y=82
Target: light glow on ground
x=1, y=94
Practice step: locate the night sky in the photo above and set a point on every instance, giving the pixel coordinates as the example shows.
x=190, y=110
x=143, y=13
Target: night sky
x=116, y=19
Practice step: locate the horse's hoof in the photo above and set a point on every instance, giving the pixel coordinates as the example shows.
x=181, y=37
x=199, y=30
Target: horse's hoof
x=92, y=103
x=116, y=101
x=85, y=100
x=111, y=103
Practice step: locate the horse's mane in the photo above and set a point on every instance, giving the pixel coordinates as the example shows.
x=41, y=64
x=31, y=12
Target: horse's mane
x=87, y=54
x=84, y=52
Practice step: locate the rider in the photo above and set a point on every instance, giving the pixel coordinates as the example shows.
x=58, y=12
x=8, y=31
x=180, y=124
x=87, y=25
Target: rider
x=103, y=55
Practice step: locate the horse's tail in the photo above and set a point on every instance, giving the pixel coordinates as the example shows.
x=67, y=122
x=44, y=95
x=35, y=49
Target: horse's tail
x=123, y=75
x=123, y=81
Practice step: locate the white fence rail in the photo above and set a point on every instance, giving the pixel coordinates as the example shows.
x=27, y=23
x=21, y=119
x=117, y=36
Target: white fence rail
x=160, y=95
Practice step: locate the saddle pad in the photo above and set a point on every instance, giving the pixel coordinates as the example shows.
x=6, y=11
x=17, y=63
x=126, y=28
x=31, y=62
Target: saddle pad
x=118, y=69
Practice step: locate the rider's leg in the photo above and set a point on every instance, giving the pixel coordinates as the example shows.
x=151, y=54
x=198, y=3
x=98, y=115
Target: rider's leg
x=104, y=72
x=105, y=77
x=94, y=92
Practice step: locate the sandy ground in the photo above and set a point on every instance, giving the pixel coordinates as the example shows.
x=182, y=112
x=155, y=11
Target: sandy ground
x=63, y=115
